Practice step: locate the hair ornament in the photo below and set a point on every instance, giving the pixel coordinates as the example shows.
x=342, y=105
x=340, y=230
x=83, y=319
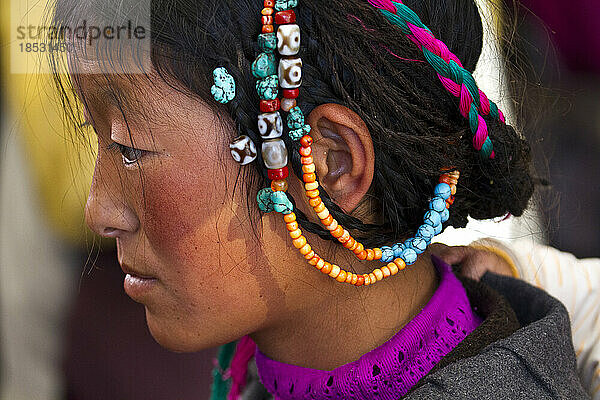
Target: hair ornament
x=455, y=78
x=243, y=150
x=223, y=90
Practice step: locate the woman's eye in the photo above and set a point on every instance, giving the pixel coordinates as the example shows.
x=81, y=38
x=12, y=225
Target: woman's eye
x=130, y=155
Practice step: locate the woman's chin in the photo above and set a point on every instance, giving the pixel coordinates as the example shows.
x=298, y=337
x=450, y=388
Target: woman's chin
x=166, y=334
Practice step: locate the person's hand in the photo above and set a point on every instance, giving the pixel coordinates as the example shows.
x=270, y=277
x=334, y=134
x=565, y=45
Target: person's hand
x=473, y=262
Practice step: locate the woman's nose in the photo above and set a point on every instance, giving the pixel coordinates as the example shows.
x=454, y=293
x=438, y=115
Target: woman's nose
x=106, y=211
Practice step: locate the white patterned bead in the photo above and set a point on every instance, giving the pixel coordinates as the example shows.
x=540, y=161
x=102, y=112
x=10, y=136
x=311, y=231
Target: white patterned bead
x=243, y=150
x=287, y=104
x=288, y=39
x=290, y=73
x=270, y=125
x=274, y=154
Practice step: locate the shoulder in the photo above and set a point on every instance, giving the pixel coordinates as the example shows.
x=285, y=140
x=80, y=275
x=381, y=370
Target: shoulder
x=522, y=350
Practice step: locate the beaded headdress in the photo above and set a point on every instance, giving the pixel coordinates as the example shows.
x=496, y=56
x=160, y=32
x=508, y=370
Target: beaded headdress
x=284, y=75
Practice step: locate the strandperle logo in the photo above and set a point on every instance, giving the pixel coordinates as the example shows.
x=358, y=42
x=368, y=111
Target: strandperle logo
x=35, y=41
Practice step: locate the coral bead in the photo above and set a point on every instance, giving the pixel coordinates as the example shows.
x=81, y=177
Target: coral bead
x=327, y=220
x=370, y=254
x=305, y=151
x=268, y=106
x=360, y=280
x=309, y=177
x=332, y=226
x=393, y=268
x=310, y=255
x=351, y=242
x=320, y=263
x=266, y=20
x=313, y=193
x=386, y=271
x=349, y=277
x=354, y=280
x=291, y=217
x=280, y=173
x=345, y=237
x=314, y=202
x=400, y=263
x=359, y=248
x=279, y=185
x=373, y=277
x=314, y=260
x=378, y=274
x=301, y=241
x=291, y=226
x=335, y=271
x=342, y=276
x=306, y=160
x=319, y=207
x=308, y=169
x=337, y=232
x=323, y=214
x=450, y=200
x=267, y=29
x=267, y=11
x=269, y=3
x=367, y=279
x=291, y=93
x=295, y=234
x=306, y=141
x=304, y=250
x=285, y=17
x=362, y=255
x=311, y=186
x=326, y=268
x=378, y=253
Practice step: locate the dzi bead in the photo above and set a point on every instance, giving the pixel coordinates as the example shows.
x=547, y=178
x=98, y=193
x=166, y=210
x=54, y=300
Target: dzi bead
x=270, y=125
x=288, y=39
x=264, y=65
x=243, y=150
x=290, y=73
x=274, y=154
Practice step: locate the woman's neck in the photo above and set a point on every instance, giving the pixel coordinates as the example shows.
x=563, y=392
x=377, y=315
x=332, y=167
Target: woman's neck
x=345, y=322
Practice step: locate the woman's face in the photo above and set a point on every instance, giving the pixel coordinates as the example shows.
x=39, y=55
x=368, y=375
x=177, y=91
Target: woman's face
x=183, y=233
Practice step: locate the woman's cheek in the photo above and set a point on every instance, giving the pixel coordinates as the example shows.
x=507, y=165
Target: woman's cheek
x=178, y=213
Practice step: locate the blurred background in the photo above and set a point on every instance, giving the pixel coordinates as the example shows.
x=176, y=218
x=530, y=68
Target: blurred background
x=67, y=330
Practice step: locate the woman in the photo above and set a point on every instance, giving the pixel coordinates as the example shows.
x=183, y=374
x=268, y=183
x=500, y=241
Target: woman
x=377, y=137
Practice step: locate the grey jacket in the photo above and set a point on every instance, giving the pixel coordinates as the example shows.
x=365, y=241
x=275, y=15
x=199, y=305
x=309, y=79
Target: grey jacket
x=522, y=350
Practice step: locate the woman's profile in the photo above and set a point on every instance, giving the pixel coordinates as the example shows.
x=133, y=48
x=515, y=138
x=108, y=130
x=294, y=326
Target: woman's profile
x=277, y=175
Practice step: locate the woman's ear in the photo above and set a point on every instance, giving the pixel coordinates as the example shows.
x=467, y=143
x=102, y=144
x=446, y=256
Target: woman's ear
x=343, y=153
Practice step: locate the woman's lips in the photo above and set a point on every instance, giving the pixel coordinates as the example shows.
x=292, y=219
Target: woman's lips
x=137, y=287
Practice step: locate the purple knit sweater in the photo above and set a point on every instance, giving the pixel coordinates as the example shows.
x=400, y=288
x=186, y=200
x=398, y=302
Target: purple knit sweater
x=392, y=369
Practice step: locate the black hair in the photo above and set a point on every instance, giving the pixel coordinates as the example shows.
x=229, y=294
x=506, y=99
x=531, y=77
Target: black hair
x=348, y=52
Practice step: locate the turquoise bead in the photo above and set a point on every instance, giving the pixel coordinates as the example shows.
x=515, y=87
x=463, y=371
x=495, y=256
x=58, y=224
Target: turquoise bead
x=281, y=203
x=398, y=248
x=438, y=229
x=297, y=134
x=223, y=90
x=268, y=88
x=409, y=256
x=295, y=118
x=264, y=65
x=387, y=254
x=419, y=245
x=443, y=190
x=426, y=232
x=281, y=5
x=432, y=218
x=437, y=204
x=265, y=203
x=267, y=42
x=444, y=215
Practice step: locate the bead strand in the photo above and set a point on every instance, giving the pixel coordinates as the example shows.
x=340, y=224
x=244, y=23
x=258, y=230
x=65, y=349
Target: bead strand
x=300, y=242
